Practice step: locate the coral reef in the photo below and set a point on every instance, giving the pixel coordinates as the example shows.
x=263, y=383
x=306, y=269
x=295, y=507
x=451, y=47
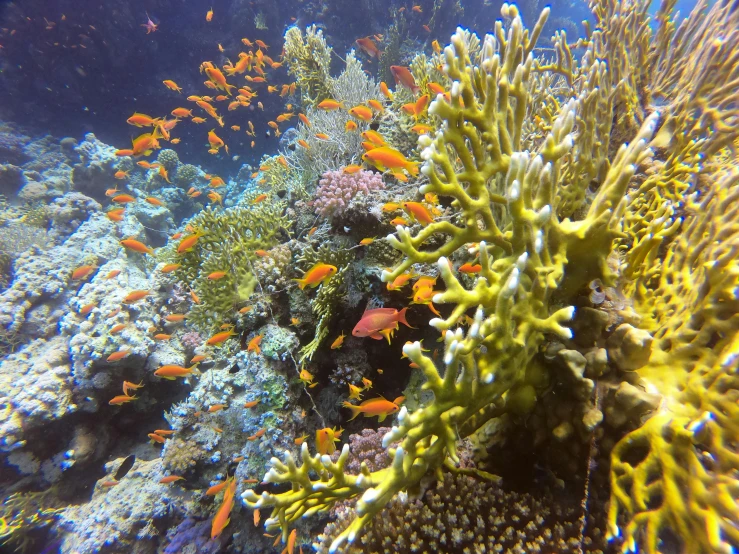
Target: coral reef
x=337, y=188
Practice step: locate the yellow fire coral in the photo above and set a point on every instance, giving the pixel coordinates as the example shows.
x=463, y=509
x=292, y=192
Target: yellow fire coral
x=507, y=203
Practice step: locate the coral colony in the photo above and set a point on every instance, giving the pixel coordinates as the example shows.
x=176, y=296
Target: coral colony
x=518, y=256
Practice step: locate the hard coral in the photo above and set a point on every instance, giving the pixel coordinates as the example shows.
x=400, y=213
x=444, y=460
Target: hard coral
x=337, y=188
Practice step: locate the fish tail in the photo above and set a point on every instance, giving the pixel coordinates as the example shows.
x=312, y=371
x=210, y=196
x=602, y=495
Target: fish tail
x=402, y=319
x=301, y=283
x=355, y=409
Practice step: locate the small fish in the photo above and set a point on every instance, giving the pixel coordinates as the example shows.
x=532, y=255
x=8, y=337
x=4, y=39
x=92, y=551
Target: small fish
x=300, y=440
x=136, y=246
x=113, y=274
x=307, y=378
x=117, y=328
x=338, y=342
x=215, y=489
x=216, y=408
x=115, y=215
x=172, y=85
x=362, y=112
x=164, y=432
x=124, y=199
x=253, y=345
x=399, y=221
x=188, y=243
x=260, y=198
x=108, y=483
x=120, y=174
x=350, y=126
x=304, y=144
x=171, y=479
x=322, y=136
x=135, y=296
x=469, y=268
x=246, y=309
x=257, y=517
x=195, y=297
x=83, y=272
x=223, y=514
x=421, y=129
x=403, y=76
x=216, y=275
x=169, y=268
x=304, y=119
x=221, y=337
x=436, y=46
x=400, y=281
x=238, y=459
x=386, y=91
x=154, y=201
x=175, y=318
x=355, y=393
x=162, y=336
x=121, y=399
x=330, y=104
x=157, y=438
x=376, y=105
x=390, y=207
x=252, y=403
x=173, y=371
x=379, y=323
x=325, y=439
x=113, y=313
x=125, y=467
x=119, y=355
x=426, y=28
x=351, y=169
x=256, y=435
x=367, y=383
x=374, y=407
x=316, y=275
x=198, y=358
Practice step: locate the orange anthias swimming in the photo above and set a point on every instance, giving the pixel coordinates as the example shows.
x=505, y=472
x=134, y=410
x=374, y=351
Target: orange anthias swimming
x=223, y=515
x=379, y=323
x=325, y=439
x=373, y=407
x=316, y=275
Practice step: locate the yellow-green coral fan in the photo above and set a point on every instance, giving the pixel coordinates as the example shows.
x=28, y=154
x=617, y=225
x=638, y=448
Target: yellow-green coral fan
x=507, y=202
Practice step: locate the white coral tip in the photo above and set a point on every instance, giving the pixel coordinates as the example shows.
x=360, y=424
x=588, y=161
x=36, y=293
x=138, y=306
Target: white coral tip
x=369, y=496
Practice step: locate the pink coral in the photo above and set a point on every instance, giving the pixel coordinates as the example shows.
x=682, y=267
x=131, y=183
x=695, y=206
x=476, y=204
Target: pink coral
x=336, y=189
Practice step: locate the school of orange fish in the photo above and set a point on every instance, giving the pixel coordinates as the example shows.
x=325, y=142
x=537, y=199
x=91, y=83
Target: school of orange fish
x=378, y=324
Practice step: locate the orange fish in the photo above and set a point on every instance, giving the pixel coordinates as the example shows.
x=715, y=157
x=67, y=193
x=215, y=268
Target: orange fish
x=113, y=273
x=173, y=371
x=119, y=355
x=338, y=342
x=375, y=105
x=142, y=120
x=216, y=275
x=215, y=489
x=87, y=308
x=253, y=345
x=256, y=435
x=135, y=296
x=325, y=439
x=117, y=328
x=418, y=212
x=362, y=112
x=136, y=246
x=367, y=241
x=124, y=199
x=416, y=9
x=174, y=318
x=216, y=408
x=373, y=407
x=120, y=174
x=121, y=399
x=128, y=385
x=388, y=158
x=169, y=268
x=379, y=323
x=385, y=91
x=115, y=215
x=403, y=76
x=398, y=221
x=223, y=515
x=369, y=47
x=330, y=104
x=188, y=243
x=400, y=281
x=260, y=198
x=157, y=438
x=209, y=15
x=351, y=169
x=171, y=479
x=172, y=85
x=316, y=275
x=374, y=137
x=350, y=126
x=197, y=359
x=162, y=336
x=83, y=272
x=469, y=268
x=221, y=337
x=304, y=119
x=251, y=404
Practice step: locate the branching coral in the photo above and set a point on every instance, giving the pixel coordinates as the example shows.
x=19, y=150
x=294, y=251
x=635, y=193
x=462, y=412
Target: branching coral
x=228, y=243
x=309, y=60
x=531, y=264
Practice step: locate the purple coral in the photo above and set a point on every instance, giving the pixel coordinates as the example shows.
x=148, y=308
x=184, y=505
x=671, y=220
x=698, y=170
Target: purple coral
x=337, y=188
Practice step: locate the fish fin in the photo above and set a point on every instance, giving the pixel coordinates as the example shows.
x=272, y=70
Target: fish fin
x=388, y=334
x=434, y=310
x=382, y=418
x=301, y=283
x=375, y=336
x=402, y=319
x=355, y=409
